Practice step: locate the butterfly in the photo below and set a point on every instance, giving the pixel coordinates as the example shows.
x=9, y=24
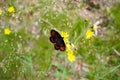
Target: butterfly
x=57, y=40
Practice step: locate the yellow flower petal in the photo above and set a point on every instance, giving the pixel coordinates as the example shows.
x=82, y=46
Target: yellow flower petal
x=71, y=58
x=7, y=31
x=67, y=47
x=89, y=34
x=65, y=40
x=64, y=34
x=11, y=9
x=0, y=12
x=70, y=52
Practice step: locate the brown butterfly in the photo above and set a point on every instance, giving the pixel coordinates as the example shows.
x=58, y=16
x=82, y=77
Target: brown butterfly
x=58, y=41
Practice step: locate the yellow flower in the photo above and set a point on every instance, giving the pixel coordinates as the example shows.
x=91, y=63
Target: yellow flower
x=68, y=47
x=89, y=34
x=11, y=9
x=65, y=36
x=71, y=58
x=7, y=31
x=95, y=27
x=70, y=52
x=0, y=11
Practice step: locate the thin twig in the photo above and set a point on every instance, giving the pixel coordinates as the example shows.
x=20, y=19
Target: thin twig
x=116, y=51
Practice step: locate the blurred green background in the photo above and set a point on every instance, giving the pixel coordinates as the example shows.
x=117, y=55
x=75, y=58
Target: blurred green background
x=27, y=54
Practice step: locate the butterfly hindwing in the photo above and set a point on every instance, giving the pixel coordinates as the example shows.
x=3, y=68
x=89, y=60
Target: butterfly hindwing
x=62, y=48
x=57, y=47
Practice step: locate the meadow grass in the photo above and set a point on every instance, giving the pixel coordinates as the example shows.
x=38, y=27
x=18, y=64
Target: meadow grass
x=27, y=54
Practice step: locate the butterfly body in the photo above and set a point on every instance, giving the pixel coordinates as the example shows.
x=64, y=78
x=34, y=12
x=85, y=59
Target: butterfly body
x=57, y=40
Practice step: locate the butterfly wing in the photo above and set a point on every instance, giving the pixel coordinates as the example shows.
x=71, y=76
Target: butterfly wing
x=57, y=40
x=57, y=47
x=53, y=32
x=53, y=36
x=62, y=48
x=52, y=39
x=60, y=42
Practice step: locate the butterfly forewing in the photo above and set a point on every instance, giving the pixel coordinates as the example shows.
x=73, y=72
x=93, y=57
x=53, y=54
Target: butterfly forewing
x=53, y=32
x=52, y=39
